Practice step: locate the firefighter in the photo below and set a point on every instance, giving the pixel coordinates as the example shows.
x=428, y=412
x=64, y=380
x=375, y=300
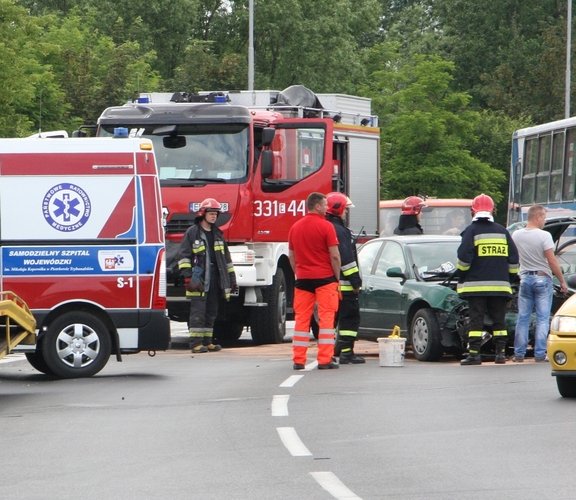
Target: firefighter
x=487, y=263
x=205, y=263
x=350, y=281
x=409, y=222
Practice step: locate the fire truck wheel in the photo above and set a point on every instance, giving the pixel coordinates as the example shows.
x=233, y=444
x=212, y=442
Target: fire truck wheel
x=425, y=336
x=227, y=332
x=77, y=344
x=36, y=359
x=269, y=323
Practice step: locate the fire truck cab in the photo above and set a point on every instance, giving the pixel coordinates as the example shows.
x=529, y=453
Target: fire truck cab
x=259, y=153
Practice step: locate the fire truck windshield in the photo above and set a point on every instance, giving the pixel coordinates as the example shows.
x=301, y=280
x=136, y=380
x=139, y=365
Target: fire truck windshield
x=211, y=152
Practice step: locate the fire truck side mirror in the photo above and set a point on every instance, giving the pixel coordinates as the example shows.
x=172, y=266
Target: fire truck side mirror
x=268, y=135
x=267, y=159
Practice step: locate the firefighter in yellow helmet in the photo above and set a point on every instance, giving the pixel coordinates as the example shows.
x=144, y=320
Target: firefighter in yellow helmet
x=350, y=281
x=487, y=262
x=204, y=262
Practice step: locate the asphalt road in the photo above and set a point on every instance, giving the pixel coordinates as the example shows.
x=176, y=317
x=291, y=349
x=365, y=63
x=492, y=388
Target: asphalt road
x=241, y=424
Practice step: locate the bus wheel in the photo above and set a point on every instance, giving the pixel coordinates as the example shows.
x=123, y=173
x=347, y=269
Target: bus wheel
x=269, y=323
x=77, y=344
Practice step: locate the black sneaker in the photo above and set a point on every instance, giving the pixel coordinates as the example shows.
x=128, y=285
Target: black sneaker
x=353, y=359
x=471, y=360
x=517, y=359
x=298, y=366
x=329, y=366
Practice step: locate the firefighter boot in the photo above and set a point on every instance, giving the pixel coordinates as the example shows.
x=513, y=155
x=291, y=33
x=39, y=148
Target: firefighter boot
x=196, y=346
x=347, y=355
x=473, y=358
x=209, y=346
x=500, y=358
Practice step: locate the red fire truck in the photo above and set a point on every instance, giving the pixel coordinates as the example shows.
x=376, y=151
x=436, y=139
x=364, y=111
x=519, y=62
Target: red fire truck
x=259, y=153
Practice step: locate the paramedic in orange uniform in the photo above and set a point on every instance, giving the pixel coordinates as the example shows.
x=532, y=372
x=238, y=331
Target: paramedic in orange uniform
x=315, y=260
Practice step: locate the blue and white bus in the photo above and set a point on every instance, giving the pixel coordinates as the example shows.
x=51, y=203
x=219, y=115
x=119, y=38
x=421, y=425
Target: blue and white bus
x=543, y=170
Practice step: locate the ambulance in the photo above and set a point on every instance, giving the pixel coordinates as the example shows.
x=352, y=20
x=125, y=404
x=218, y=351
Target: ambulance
x=82, y=243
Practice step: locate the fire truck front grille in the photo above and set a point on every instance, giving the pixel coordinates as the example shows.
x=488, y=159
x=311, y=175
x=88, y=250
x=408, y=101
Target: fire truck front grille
x=179, y=223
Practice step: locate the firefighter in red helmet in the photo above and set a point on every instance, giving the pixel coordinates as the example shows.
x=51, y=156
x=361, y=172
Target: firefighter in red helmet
x=348, y=315
x=409, y=222
x=205, y=263
x=487, y=263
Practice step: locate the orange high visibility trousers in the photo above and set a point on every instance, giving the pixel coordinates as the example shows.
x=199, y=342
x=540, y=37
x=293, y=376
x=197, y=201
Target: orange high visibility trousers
x=326, y=297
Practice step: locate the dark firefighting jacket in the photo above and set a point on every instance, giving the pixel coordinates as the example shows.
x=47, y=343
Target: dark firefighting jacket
x=349, y=272
x=194, y=261
x=487, y=260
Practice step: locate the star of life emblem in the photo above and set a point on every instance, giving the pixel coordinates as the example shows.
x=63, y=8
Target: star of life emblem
x=66, y=207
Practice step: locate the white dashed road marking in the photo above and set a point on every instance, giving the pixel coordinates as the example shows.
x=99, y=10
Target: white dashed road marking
x=334, y=486
x=280, y=405
x=292, y=442
x=291, y=381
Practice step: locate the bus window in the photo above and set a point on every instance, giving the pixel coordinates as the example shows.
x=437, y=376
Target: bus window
x=556, y=167
x=543, y=175
x=530, y=169
x=568, y=189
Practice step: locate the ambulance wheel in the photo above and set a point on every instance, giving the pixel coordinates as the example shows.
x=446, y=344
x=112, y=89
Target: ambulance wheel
x=425, y=336
x=269, y=323
x=77, y=344
x=36, y=359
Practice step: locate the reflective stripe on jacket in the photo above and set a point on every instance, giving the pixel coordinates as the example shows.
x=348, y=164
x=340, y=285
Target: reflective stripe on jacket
x=349, y=272
x=193, y=256
x=487, y=258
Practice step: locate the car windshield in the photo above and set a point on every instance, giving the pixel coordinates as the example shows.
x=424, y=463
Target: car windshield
x=434, y=258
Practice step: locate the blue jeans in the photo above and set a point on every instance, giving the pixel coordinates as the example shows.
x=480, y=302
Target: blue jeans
x=535, y=294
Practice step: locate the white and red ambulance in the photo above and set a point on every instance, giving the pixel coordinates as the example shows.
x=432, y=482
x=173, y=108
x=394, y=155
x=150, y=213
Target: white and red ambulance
x=82, y=243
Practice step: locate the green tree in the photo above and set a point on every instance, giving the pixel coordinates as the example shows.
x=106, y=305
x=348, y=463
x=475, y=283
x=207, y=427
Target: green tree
x=94, y=71
x=316, y=44
x=30, y=96
x=509, y=54
x=428, y=131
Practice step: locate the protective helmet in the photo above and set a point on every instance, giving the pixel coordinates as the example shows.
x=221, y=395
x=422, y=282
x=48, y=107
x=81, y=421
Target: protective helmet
x=208, y=204
x=482, y=203
x=412, y=205
x=337, y=203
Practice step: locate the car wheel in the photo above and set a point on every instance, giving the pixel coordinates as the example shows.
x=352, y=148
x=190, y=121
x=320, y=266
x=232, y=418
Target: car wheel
x=77, y=344
x=425, y=336
x=566, y=386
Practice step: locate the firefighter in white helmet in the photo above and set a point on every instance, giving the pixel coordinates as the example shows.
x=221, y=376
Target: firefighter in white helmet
x=205, y=263
x=350, y=281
